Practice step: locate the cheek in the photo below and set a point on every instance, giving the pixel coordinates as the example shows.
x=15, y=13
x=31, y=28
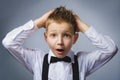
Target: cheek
x=50, y=42
x=69, y=43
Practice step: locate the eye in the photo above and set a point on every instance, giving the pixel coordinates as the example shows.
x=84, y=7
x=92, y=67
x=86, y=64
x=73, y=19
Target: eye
x=66, y=35
x=53, y=35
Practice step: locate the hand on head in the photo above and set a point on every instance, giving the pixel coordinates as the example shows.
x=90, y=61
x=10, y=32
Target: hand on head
x=40, y=22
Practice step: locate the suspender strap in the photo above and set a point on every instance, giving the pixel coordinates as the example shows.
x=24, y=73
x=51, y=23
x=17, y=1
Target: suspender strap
x=45, y=68
x=75, y=69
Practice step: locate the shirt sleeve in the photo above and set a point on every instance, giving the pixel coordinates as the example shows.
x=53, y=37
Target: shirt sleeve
x=106, y=49
x=13, y=43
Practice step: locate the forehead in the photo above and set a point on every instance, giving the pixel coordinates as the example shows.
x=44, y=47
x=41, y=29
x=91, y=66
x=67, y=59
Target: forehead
x=62, y=26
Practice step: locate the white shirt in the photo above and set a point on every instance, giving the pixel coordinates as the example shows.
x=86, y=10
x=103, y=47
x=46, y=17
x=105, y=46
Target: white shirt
x=32, y=59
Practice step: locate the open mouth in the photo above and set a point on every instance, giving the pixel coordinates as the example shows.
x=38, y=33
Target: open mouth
x=60, y=51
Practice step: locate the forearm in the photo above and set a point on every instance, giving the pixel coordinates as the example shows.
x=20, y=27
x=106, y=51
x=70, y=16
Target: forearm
x=103, y=42
x=18, y=35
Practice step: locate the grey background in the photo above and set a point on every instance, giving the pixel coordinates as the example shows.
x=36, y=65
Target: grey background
x=104, y=15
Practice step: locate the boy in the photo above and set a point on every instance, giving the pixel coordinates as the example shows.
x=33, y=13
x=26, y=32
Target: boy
x=61, y=33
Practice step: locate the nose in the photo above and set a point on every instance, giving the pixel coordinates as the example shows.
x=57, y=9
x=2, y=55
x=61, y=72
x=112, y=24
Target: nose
x=60, y=40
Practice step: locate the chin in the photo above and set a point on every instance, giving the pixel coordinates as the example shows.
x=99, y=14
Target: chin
x=60, y=56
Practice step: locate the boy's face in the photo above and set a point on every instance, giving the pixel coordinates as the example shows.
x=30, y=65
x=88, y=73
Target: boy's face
x=60, y=38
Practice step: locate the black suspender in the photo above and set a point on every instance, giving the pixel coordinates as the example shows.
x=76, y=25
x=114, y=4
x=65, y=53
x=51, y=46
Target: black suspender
x=45, y=69
x=75, y=69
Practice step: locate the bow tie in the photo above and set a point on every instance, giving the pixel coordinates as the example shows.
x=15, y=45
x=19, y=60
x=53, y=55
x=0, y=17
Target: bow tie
x=55, y=59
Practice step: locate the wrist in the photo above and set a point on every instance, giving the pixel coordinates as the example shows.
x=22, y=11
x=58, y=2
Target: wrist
x=38, y=23
x=83, y=27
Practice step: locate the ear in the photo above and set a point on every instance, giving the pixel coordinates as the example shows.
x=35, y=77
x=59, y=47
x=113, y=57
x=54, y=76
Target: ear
x=45, y=36
x=75, y=37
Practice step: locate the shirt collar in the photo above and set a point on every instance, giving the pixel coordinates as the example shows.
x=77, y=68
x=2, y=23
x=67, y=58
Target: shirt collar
x=70, y=54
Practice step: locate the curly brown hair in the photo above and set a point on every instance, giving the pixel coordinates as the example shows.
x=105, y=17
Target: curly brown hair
x=61, y=14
